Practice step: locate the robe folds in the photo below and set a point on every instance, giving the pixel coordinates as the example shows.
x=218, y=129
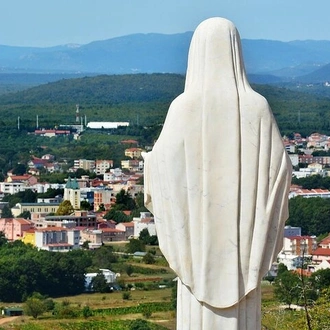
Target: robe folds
x=217, y=179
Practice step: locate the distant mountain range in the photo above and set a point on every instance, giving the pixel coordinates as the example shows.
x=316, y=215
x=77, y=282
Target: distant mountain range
x=266, y=61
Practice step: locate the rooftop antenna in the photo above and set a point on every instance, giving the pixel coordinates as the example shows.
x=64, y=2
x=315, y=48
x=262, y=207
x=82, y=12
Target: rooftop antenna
x=77, y=113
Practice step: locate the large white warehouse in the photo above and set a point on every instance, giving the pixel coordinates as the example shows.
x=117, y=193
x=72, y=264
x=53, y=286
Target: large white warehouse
x=106, y=124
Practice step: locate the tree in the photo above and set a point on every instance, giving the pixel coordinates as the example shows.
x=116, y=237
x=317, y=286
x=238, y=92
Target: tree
x=144, y=236
x=124, y=201
x=139, y=325
x=6, y=212
x=3, y=239
x=19, y=169
x=149, y=259
x=84, y=205
x=135, y=245
x=34, y=306
x=25, y=215
x=129, y=269
x=287, y=288
x=99, y=283
x=65, y=208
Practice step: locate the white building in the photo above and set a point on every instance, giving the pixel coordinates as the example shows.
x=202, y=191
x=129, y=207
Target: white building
x=57, y=239
x=101, y=166
x=12, y=187
x=106, y=124
x=145, y=221
x=109, y=276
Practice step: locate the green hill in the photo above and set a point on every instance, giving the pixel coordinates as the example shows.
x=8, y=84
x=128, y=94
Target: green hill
x=144, y=99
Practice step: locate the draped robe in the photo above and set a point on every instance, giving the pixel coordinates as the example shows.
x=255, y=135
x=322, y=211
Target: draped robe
x=217, y=183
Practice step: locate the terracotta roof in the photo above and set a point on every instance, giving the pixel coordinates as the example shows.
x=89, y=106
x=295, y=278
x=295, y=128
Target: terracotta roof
x=326, y=240
x=127, y=224
x=52, y=229
x=23, y=221
x=321, y=252
x=111, y=230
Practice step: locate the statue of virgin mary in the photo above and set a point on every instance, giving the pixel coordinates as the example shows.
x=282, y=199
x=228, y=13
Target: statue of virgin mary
x=217, y=182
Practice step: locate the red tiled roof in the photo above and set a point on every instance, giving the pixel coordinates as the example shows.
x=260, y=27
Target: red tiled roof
x=321, y=252
x=127, y=224
x=111, y=230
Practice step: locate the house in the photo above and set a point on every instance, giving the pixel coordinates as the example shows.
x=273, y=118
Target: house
x=145, y=221
x=320, y=254
x=133, y=152
x=113, y=235
x=14, y=228
x=127, y=228
x=29, y=237
x=57, y=239
x=325, y=264
x=27, y=179
x=93, y=236
x=325, y=243
x=133, y=165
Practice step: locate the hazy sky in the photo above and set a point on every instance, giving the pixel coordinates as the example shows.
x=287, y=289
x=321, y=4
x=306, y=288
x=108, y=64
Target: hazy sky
x=57, y=22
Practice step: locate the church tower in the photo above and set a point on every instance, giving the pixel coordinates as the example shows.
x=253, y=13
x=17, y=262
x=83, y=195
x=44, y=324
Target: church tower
x=72, y=193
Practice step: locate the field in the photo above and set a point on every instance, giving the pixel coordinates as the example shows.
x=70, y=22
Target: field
x=111, y=311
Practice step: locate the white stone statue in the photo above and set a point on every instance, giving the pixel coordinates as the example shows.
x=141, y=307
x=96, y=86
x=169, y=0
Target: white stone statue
x=217, y=182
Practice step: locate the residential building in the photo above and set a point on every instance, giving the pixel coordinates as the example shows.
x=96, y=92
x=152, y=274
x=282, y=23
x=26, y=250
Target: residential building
x=113, y=235
x=133, y=165
x=81, y=218
x=133, y=152
x=107, y=197
x=299, y=245
x=93, y=236
x=13, y=228
x=29, y=237
x=102, y=166
x=12, y=187
x=57, y=239
x=127, y=228
x=145, y=221
x=85, y=164
x=27, y=179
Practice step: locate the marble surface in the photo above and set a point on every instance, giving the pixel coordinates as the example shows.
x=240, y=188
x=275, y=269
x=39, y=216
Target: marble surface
x=217, y=182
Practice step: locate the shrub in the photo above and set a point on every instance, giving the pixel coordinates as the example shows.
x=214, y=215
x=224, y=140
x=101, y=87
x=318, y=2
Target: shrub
x=126, y=295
